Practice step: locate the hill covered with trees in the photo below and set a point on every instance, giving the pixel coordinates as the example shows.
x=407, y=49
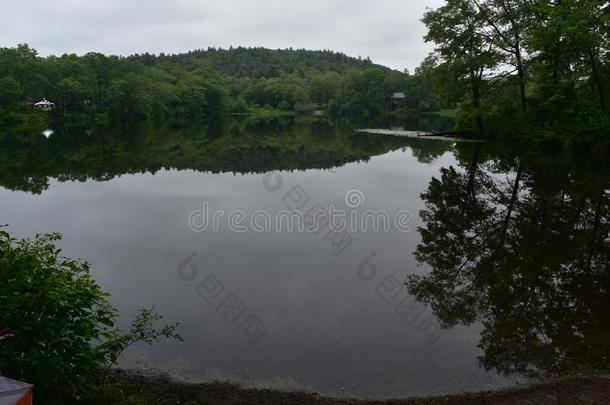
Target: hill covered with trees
x=262, y=63
x=504, y=68
x=202, y=84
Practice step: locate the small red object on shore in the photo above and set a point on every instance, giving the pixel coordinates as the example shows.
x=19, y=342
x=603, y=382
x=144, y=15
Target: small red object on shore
x=15, y=392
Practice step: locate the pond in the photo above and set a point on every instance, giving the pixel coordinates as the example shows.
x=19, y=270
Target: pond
x=300, y=254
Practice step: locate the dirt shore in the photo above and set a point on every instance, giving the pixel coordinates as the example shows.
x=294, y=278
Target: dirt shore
x=163, y=390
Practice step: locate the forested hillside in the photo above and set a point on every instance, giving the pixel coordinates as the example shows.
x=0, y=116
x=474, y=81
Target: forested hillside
x=537, y=71
x=260, y=63
x=203, y=84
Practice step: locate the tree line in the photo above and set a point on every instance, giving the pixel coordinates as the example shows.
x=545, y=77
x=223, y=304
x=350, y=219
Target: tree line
x=515, y=64
x=203, y=84
x=538, y=69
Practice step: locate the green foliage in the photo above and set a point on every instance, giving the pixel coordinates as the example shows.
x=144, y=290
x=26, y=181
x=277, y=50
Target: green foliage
x=261, y=63
x=457, y=29
x=202, y=85
x=70, y=92
x=143, y=330
x=280, y=93
x=424, y=86
x=10, y=92
x=55, y=311
x=542, y=66
x=62, y=334
x=324, y=87
x=367, y=93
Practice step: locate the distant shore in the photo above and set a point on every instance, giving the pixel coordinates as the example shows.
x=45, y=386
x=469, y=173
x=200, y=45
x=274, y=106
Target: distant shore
x=160, y=389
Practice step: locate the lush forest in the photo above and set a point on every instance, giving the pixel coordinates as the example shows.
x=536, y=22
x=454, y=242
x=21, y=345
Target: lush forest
x=203, y=85
x=536, y=68
x=503, y=68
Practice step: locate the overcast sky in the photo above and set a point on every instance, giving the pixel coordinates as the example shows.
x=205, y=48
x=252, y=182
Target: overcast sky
x=388, y=31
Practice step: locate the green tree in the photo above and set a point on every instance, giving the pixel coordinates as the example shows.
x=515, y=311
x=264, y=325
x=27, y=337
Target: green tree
x=570, y=41
x=71, y=93
x=62, y=334
x=102, y=67
x=55, y=312
x=507, y=22
x=365, y=93
x=10, y=92
x=427, y=89
x=282, y=93
x=458, y=30
x=129, y=97
x=26, y=65
x=323, y=87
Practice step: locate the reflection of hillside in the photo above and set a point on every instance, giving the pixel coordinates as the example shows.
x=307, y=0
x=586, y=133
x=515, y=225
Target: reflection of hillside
x=27, y=162
x=515, y=242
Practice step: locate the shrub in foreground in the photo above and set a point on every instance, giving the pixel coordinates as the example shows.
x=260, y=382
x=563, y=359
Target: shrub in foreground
x=61, y=324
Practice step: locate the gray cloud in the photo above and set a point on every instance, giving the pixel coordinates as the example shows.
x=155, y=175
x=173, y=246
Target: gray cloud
x=388, y=31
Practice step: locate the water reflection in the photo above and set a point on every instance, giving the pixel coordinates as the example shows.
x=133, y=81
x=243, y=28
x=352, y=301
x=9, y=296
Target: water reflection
x=509, y=245
x=516, y=242
x=259, y=146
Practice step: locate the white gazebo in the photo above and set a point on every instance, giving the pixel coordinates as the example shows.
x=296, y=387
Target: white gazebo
x=45, y=105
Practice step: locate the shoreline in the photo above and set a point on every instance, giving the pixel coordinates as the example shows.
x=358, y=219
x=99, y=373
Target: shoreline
x=417, y=135
x=162, y=389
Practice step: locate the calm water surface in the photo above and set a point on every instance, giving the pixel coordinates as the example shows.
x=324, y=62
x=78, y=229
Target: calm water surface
x=505, y=276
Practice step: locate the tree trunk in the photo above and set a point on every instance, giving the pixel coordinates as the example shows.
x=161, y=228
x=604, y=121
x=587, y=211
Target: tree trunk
x=596, y=225
x=511, y=205
x=521, y=75
x=597, y=81
x=474, y=166
x=476, y=101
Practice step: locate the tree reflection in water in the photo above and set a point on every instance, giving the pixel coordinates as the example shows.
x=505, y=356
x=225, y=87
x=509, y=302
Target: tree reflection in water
x=28, y=160
x=515, y=243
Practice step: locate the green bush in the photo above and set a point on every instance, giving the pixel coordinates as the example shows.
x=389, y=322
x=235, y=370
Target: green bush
x=61, y=323
x=55, y=312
